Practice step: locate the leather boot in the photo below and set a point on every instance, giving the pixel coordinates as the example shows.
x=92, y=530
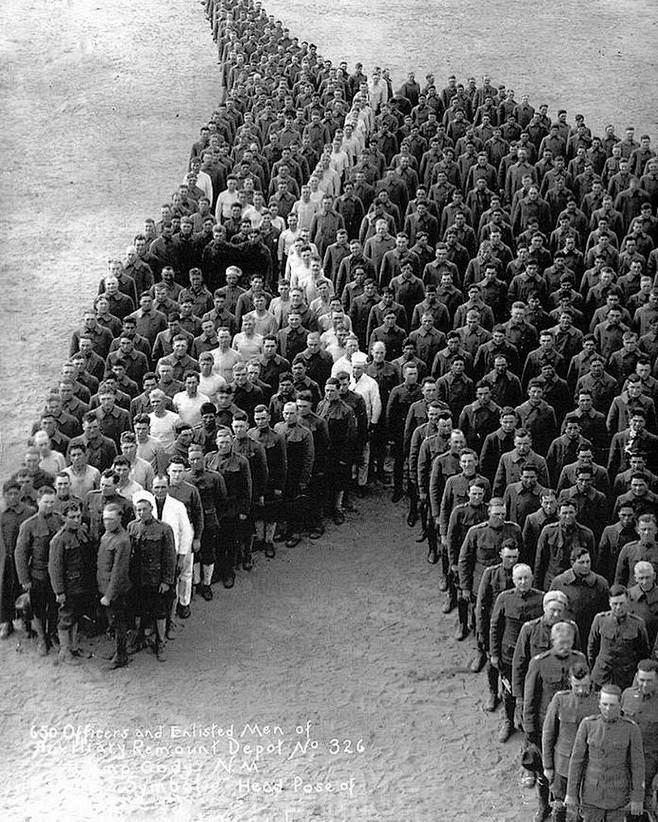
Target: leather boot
x=492, y=683
x=543, y=803
x=451, y=602
x=507, y=726
x=161, y=640
x=64, y=656
x=462, y=629
x=479, y=661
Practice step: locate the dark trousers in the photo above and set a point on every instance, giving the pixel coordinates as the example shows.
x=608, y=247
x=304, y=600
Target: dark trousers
x=117, y=618
x=44, y=605
x=227, y=547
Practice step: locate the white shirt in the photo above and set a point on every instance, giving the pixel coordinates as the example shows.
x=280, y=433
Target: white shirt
x=368, y=388
x=163, y=429
x=210, y=385
x=224, y=362
x=189, y=408
x=224, y=203
x=342, y=364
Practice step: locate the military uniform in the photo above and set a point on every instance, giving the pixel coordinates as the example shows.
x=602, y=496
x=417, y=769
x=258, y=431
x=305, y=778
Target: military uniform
x=153, y=562
x=564, y=714
x=534, y=638
x=511, y=610
x=554, y=550
x=614, y=648
x=606, y=771
x=236, y=474
x=495, y=580
x=481, y=548
x=32, y=553
x=644, y=711
x=547, y=674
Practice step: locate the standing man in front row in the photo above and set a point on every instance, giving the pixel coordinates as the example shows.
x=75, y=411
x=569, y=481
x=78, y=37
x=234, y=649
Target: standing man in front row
x=153, y=570
x=606, y=771
x=113, y=577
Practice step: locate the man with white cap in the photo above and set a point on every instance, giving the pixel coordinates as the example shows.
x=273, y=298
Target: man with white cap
x=367, y=388
x=153, y=568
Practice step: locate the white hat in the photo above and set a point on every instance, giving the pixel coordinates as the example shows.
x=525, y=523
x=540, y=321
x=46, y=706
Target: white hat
x=144, y=496
x=359, y=358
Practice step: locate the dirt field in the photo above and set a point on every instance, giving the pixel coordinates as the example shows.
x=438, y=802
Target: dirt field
x=338, y=648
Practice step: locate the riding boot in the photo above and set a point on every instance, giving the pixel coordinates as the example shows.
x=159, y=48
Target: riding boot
x=507, y=726
x=462, y=628
x=161, y=640
x=543, y=797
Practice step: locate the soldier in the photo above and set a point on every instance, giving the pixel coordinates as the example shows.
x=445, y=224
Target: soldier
x=186, y=493
x=318, y=483
x=113, y=579
x=586, y=591
x=640, y=703
x=32, y=553
x=274, y=447
x=645, y=548
x=617, y=642
x=152, y=570
x=548, y=673
x=300, y=453
x=494, y=580
x=511, y=610
x=535, y=638
x=462, y=518
x=67, y=574
x=643, y=597
x=342, y=438
x=535, y=522
x=235, y=472
x=556, y=542
x=428, y=441
x=212, y=491
x=606, y=771
x=263, y=510
x=564, y=714
x=481, y=547
x=11, y=518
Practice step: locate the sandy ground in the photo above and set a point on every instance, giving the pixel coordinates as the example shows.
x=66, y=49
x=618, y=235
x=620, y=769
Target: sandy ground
x=338, y=649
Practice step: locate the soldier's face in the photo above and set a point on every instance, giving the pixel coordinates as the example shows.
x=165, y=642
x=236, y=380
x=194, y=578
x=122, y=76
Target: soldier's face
x=619, y=606
x=647, y=682
x=522, y=578
x=553, y=611
x=581, y=687
x=610, y=707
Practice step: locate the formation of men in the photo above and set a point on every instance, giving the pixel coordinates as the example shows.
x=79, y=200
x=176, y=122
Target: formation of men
x=349, y=277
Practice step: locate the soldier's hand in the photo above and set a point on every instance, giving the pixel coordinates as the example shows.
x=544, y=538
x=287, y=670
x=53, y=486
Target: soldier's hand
x=105, y=601
x=196, y=545
x=495, y=661
x=454, y=569
x=277, y=492
x=549, y=773
x=163, y=588
x=571, y=801
x=27, y=586
x=422, y=496
x=242, y=517
x=636, y=808
x=261, y=500
x=61, y=599
x=436, y=525
x=465, y=595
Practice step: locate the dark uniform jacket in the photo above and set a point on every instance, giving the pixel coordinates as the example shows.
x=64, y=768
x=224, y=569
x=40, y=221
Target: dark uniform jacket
x=511, y=610
x=33, y=547
x=615, y=647
x=607, y=765
x=481, y=548
x=153, y=556
x=495, y=580
x=547, y=674
x=564, y=714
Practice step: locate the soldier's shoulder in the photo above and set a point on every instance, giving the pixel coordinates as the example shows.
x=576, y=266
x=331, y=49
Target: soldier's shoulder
x=542, y=655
